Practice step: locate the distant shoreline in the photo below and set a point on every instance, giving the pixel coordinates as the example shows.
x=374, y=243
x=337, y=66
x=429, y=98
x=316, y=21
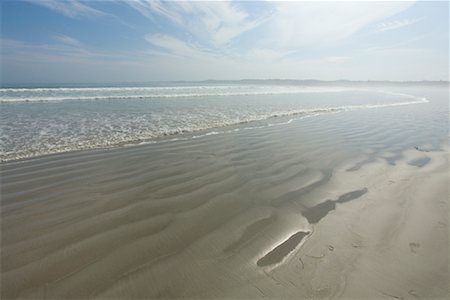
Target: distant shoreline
x=300, y=82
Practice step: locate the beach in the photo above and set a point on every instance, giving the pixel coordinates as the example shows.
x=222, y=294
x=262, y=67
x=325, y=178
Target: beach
x=335, y=200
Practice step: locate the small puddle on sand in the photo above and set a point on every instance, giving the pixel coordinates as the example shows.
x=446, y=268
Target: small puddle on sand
x=420, y=162
x=282, y=250
x=318, y=212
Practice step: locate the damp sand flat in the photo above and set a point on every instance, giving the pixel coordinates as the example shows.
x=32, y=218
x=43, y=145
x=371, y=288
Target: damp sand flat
x=315, y=208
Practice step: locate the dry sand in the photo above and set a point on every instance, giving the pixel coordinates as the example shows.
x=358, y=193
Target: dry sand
x=232, y=217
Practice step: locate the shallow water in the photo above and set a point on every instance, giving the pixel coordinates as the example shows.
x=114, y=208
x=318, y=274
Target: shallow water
x=37, y=121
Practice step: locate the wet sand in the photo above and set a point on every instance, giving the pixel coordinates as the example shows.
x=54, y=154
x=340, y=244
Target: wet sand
x=290, y=211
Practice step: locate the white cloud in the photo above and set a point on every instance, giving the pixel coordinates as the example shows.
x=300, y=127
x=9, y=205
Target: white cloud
x=26, y=52
x=67, y=40
x=69, y=8
x=265, y=55
x=174, y=46
x=284, y=28
x=386, y=26
x=298, y=24
x=216, y=23
x=146, y=8
x=222, y=21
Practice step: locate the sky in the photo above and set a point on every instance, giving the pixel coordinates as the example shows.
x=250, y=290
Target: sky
x=74, y=41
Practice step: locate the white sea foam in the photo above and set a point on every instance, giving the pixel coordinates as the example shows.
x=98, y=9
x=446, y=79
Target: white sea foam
x=14, y=95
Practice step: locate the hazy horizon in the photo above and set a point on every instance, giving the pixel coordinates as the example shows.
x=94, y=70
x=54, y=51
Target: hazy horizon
x=93, y=42
x=271, y=81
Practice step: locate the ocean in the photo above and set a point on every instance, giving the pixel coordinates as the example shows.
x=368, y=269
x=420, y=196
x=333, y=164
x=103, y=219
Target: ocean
x=37, y=121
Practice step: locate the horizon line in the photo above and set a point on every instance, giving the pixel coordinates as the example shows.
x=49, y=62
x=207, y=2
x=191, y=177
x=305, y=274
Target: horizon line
x=441, y=81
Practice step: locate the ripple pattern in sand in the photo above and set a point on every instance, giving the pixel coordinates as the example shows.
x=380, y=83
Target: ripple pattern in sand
x=212, y=211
